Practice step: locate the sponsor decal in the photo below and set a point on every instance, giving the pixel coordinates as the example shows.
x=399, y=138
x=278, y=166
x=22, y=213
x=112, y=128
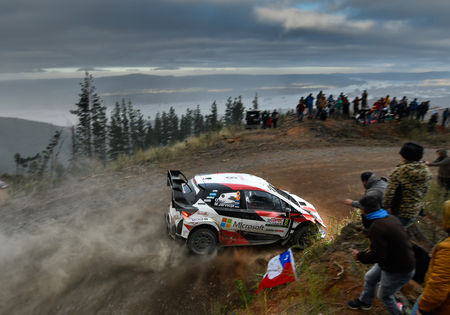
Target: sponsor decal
x=243, y=226
x=213, y=194
x=215, y=190
x=228, y=200
x=226, y=223
x=207, y=200
x=278, y=221
x=202, y=213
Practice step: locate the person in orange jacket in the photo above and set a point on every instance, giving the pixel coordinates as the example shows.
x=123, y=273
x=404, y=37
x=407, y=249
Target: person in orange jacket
x=435, y=298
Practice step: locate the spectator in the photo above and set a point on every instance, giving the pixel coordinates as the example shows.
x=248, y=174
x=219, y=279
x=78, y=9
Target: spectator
x=391, y=253
x=338, y=105
x=310, y=104
x=433, y=121
x=393, y=106
x=355, y=105
x=422, y=110
x=345, y=107
x=443, y=161
x=374, y=187
x=321, y=108
x=413, y=109
x=386, y=101
x=275, y=117
x=402, y=108
x=269, y=120
x=407, y=185
x=318, y=97
x=331, y=104
x=444, y=117
x=376, y=109
x=265, y=118
x=300, y=109
x=435, y=298
x=364, y=100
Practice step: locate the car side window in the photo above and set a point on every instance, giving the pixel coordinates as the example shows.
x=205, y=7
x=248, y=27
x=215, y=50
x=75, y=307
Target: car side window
x=260, y=200
x=285, y=206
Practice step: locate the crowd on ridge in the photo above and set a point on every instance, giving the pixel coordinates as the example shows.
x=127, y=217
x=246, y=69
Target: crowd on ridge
x=389, y=207
x=323, y=107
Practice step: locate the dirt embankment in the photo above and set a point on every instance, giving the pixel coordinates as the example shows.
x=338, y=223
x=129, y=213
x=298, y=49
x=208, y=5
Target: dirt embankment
x=98, y=245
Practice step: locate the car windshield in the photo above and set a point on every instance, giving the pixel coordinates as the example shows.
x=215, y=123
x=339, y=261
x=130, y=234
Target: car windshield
x=285, y=195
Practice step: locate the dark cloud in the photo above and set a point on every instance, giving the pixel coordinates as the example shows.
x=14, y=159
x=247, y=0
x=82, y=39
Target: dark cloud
x=170, y=34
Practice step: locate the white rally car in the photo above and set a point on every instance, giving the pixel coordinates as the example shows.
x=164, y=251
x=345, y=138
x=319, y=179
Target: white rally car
x=231, y=209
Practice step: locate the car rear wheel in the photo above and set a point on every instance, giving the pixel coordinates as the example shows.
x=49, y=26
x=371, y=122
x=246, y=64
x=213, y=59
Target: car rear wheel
x=202, y=241
x=305, y=235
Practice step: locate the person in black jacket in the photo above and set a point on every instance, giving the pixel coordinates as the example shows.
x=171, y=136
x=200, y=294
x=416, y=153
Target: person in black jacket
x=390, y=252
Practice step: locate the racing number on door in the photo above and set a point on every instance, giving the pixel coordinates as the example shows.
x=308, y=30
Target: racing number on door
x=238, y=199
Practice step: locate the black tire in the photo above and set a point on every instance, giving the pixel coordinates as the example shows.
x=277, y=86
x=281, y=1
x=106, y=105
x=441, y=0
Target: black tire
x=305, y=235
x=202, y=241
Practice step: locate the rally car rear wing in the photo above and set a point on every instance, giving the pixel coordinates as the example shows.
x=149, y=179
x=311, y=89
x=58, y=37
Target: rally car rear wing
x=176, y=179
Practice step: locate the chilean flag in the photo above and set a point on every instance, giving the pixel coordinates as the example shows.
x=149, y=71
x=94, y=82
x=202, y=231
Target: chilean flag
x=281, y=269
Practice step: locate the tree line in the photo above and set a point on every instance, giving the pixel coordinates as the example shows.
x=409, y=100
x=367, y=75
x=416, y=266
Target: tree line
x=126, y=130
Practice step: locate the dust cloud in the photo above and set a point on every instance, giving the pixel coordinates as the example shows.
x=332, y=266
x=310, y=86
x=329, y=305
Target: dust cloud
x=99, y=246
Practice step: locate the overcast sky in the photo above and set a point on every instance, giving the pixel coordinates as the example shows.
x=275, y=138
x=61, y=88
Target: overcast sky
x=53, y=38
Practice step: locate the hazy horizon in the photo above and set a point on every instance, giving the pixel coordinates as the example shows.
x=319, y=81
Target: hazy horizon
x=50, y=101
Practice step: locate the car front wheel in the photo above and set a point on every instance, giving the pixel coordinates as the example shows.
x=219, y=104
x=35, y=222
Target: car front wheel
x=202, y=241
x=305, y=235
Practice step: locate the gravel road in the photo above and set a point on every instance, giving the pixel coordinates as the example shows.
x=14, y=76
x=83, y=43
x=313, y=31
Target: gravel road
x=98, y=245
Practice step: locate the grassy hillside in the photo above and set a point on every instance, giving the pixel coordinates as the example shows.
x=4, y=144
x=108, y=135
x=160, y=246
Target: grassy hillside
x=27, y=138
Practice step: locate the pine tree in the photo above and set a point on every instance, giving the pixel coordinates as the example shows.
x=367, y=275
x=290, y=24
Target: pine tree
x=141, y=133
x=115, y=133
x=47, y=154
x=150, y=139
x=198, y=121
x=158, y=133
x=238, y=111
x=75, y=148
x=37, y=165
x=228, y=118
x=89, y=136
x=212, y=120
x=173, y=132
x=186, y=124
x=132, y=123
x=99, y=128
x=125, y=128
x=255, y=102
x=165, y=128
x=84, y=129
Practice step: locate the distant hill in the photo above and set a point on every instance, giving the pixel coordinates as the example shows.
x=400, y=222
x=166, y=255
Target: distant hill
x=27, y=138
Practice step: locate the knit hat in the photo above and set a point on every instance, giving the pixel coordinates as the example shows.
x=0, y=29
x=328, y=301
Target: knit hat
x=446, y=216
x=411, y=151
x=370, y=203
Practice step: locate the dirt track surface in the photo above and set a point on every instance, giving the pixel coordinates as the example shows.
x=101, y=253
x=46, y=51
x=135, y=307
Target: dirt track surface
x=98, y=245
